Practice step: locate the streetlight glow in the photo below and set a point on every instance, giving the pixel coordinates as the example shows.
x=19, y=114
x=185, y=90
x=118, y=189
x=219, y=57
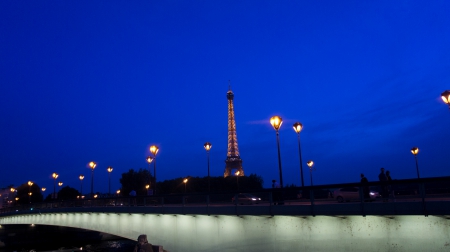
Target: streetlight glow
x=298, y=128
x=208, y=147
x=109, y=169
x=310, y=164
x=415, y=151
x=276, y=122
x=43, y=189
x=446, y=97
x=60, y=183
x=92, y=165
x=154, y=150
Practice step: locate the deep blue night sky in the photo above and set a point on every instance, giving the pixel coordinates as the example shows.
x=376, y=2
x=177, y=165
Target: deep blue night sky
x=104, y=80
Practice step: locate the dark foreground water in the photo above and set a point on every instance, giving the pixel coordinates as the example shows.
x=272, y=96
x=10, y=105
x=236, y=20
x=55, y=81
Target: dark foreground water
x=107, y=246
x=62, y=239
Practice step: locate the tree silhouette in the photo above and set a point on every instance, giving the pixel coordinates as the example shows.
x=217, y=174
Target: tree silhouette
x=135, y=180
x=23, y=193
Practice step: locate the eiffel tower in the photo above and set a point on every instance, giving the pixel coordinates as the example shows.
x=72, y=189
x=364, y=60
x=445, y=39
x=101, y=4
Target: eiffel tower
x=233, y=160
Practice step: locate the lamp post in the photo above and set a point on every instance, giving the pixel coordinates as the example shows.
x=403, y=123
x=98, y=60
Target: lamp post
x=146, y=187
x=310, y=164
x=43, y=189
x=81, y=177
x=276, y=122
x=29, y=190
x=154, y=150
x=118, y=193
x=92, y=165
x=60, y=183
x=446, y=97
x=237, y=178
x=54, y=176
x=149, y=161
x=297, y=128
x=415, y=151
x=208, y=147
x=185, y=182
x=109, y=169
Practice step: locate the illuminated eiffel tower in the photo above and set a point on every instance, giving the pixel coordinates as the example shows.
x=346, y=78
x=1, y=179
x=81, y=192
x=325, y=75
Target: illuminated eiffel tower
x=233, y=160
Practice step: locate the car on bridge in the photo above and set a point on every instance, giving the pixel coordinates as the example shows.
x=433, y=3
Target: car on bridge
x=352, y=194
x=245, y=198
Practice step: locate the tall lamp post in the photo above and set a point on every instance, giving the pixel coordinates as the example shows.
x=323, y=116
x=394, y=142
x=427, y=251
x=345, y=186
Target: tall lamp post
x=310, y=164
x=54, y=176
x=154, y=150
x=185, y=182
x=237, y=178
x=446, y=97
x=29, y=190
x=92, y=165
x=297, y=128
x=109, y=169
x=146, y=187
x=415, y=151
x=208, y=147
x=81, y=177
x=276, y=122
x=149, y=161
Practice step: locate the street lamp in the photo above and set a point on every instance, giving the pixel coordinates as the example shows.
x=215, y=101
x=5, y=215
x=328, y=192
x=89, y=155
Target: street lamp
x=149, y=161
x=154, y=150
x=43, y=189
x=310, y=164
x=146, y=187
x=29, y=190
x=54, y=176
x=276, y=122
x=237, y=178
x=109, y=169
x=118, y=193
x=60, y=183
x=415, y=151
x=81, y=177
x=208, y=147
x=185, y=182
x=446, y=97
x=297, y=128
x=92, y=165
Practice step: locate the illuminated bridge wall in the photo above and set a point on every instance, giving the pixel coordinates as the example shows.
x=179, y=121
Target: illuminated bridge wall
x=178, y=233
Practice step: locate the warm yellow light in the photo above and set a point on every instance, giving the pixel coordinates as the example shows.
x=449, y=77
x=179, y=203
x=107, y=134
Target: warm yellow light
x=81, y=177
x=78, y=196
x=118, y=191
x=446, y=96
x=30, y=193
x=276, y=122
x=60, y=183
x=92, y=164
x=55, y=175
x=12, y=189
x=147, y=186
x=43, y=189
x=109, y=169
x=298, y=127
x=149, y=159
x=310, y=163
x=237, y=173
x=30, y=183
x=95, y=196
x=154, y=150
x=185, y=180
x=16, y=198
x=207, y=146
x=415, y=150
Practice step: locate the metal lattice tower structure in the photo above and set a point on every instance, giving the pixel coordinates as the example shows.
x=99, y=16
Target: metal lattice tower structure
x=233, y=160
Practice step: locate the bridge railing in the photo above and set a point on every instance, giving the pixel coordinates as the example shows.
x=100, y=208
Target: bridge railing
x=414, y=196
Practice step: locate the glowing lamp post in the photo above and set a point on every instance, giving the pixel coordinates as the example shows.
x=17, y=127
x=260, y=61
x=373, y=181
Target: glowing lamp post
x=109, y=169
x=310, y=164
x=54, y=176
x=29, y=190
x=149, y=161
x=208, y=147
x=276, y=122
x=147, y=187
x=446, y=97
x=118, y=193
x=154, y=150
x=415, y=151
x=60, y=183
x=92, y=165
x=297, y=128
x=81, y=177
x=43, y=189
x=185, y=182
